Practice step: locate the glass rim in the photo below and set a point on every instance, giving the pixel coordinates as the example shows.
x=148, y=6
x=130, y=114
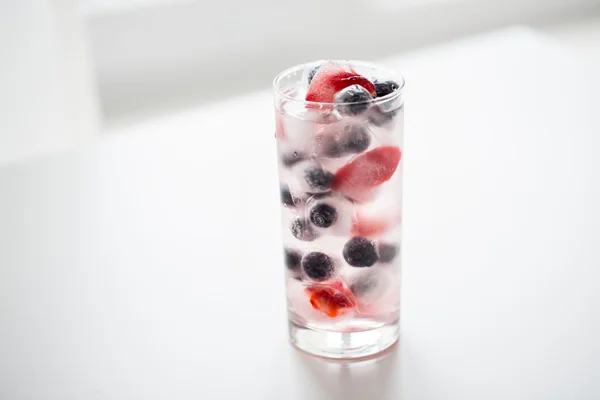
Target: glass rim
x=377, y=100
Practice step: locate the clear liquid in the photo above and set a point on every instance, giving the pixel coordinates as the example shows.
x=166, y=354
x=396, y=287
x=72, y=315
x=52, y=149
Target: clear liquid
x=310, y=138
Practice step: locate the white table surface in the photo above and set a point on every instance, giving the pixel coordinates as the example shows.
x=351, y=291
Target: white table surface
x=148, y=266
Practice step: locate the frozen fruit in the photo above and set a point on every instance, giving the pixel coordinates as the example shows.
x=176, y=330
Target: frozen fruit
x=317, y=266
x=369, y=227
x=310, y=176
x=358, y=139
x=312, y=73
x=371, y=287
x=366, y=225
x=302, y=230
x=376, y=218
x=332, y=145
x=363, y=285
x=385, y=88
x=360, y=252
x=353, y=138
x=387, y=252
x=291, y=159
x=299, y=131
x=330, y=79
x=367, y=171
x=292, y=259
x=317, y=178
x=332, y=300
x=287, y=198
x=323, y=215
x=379, y=117
x=353, y=100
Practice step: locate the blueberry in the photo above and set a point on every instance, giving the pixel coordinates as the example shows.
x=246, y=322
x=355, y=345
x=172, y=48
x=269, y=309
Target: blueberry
x=312, y=73
x=385, y=88
x=287, y=198
x=387, y=252
x=302, y=230
x=358, y=139
x=289, y=160
x=334, y=146
x=354, y=139
x=355, y=99
x=292, y=259
x=317, y=178
x=360, y=252
x=323, y=215
x=317, y=266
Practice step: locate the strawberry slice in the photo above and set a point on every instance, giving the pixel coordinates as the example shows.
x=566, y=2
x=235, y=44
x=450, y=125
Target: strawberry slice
x=367, y=171
x=365, y=225
x=330, y=79
x=332, y=300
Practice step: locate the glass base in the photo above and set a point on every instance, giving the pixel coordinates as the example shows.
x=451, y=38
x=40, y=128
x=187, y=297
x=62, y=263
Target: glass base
x=343, y=345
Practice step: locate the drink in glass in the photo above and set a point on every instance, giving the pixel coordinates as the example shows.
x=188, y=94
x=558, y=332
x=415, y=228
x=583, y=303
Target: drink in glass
x=339, y=135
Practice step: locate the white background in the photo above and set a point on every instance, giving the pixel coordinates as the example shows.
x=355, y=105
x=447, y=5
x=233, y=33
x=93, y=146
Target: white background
x=47, y=93
x=73, y=69
x=170, y=55
x=148, y=265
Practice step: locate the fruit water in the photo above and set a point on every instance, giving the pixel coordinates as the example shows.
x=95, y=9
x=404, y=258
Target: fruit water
x=339, y=135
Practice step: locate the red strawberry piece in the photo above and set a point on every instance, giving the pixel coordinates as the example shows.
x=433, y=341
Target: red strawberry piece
x=330, y=79
x=365, y=225
x=370, y=227
x=332, y=300
x=367, y=171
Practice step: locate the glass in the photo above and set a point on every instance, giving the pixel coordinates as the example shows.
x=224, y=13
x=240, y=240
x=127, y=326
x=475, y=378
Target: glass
x=340, y=173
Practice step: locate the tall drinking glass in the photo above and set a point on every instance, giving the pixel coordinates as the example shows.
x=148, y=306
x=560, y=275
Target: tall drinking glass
x=339, y=134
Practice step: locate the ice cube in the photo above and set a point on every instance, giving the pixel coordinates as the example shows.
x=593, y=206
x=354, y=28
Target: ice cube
x=309, y=176
x=377, y=217
x=302, y=230
x=332, y=299
x=345, y=213
x=298, y=132
x=371, y=286
x=333, y=78
x=388, y=252
x=310, y=71
x=330, y=215
x=346, y=137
